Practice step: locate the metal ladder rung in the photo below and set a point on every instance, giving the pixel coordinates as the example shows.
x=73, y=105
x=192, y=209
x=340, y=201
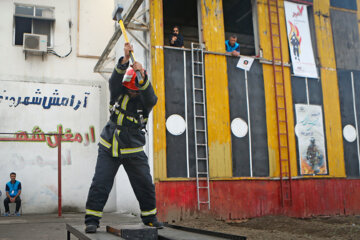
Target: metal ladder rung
x=199, y=102
x=200, y=144
x=201, y=159
x=204, y=202
x=203, y=187
x=198, y=116
x=196, y=75
x=197, y=62
x=199, y=89
x=200, y=130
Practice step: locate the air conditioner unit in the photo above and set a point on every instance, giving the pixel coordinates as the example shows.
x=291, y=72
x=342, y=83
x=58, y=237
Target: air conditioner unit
x=35, y=43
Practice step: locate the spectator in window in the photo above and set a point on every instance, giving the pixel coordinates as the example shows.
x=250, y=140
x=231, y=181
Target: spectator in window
x=232, y=46
x=13, y=191
x=176, y=39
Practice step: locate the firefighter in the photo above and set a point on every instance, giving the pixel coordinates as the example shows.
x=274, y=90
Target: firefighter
x=122, y=141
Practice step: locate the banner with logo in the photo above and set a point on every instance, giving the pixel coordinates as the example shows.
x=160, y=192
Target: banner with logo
x=298, y=33
x=309, y=130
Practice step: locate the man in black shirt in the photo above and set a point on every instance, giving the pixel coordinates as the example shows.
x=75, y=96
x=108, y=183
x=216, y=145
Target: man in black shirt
x=176, y=39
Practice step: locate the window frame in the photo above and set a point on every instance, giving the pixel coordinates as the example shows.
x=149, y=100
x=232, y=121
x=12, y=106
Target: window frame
x=32, y=18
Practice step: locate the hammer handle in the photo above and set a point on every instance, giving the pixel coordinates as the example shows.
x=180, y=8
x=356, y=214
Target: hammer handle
x=138, y=74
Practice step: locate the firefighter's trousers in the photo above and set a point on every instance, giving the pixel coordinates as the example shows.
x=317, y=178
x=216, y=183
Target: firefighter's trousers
x=138, y=171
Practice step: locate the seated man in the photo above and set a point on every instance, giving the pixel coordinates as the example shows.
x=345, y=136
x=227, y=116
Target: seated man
x=176, y=39
x=232, y=46
x=13, y=191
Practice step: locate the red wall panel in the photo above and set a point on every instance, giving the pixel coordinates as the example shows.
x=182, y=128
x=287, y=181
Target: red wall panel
x=254, y=198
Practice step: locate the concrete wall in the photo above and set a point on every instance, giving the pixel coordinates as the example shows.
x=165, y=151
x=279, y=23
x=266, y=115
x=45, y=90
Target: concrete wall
x=72, y=77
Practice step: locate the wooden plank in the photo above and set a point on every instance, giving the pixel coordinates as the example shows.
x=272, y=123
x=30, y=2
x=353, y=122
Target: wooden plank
x=217, y=95
x=332, y=115
x=158, y=81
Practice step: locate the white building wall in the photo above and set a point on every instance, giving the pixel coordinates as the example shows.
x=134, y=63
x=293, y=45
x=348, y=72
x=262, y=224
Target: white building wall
x=35, y=162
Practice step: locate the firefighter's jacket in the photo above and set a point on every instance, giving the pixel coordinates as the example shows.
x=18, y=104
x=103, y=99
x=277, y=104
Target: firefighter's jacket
x=124, y=133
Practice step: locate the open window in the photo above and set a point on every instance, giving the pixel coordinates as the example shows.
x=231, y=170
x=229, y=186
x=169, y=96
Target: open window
x=238, y=21
x=33, y=19
x=183, y=14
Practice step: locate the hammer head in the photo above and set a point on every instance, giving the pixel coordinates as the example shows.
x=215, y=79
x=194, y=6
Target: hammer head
x=117, y=12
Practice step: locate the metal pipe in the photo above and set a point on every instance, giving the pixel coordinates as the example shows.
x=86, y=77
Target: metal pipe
x=249, y=122
x=355, y=116
x=59, y=174
x=307, y=91
x=186, y=120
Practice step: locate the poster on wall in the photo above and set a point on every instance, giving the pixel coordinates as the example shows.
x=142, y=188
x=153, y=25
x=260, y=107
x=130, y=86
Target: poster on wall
x=309, y=130
x=29, y=111
x=298, y=33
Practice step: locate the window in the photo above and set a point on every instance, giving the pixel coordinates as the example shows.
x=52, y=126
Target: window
x=183, y=14
x=238, y=21
x=33, y=19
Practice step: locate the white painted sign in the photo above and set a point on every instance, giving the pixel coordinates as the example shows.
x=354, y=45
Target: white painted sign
x=309, y=130
x=245, y=63
x=30, y=110
x=298, y=32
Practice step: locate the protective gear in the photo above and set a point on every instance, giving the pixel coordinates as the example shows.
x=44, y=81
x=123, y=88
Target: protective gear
x=121, y=143
x=129, y=80
x=138, y=171
x=153, y=222
x=90, y=229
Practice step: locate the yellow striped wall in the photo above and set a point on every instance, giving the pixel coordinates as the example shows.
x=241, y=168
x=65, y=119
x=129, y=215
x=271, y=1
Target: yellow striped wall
x=158, y=81
x=217, y=94
x=329, y=82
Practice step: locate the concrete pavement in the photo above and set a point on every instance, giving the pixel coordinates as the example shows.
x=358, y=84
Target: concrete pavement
x=50, y=226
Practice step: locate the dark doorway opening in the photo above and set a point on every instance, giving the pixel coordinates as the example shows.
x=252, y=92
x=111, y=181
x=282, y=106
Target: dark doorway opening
x=238, y=21
x=184, y=15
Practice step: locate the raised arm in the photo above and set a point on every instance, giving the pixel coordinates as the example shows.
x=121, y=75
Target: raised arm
x=115, y=81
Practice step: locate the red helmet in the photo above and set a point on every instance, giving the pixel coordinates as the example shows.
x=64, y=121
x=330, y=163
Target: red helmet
x=129, y=79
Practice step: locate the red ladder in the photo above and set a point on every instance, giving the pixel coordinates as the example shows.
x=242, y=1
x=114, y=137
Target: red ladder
x=281, y=113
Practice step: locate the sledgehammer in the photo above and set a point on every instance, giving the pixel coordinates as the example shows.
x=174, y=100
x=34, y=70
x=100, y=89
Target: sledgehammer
x=117, y=17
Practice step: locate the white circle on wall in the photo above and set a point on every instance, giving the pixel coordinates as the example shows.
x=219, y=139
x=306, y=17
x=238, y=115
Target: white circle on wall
x=239, y=127
x=175, y=124
x=349, y=133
